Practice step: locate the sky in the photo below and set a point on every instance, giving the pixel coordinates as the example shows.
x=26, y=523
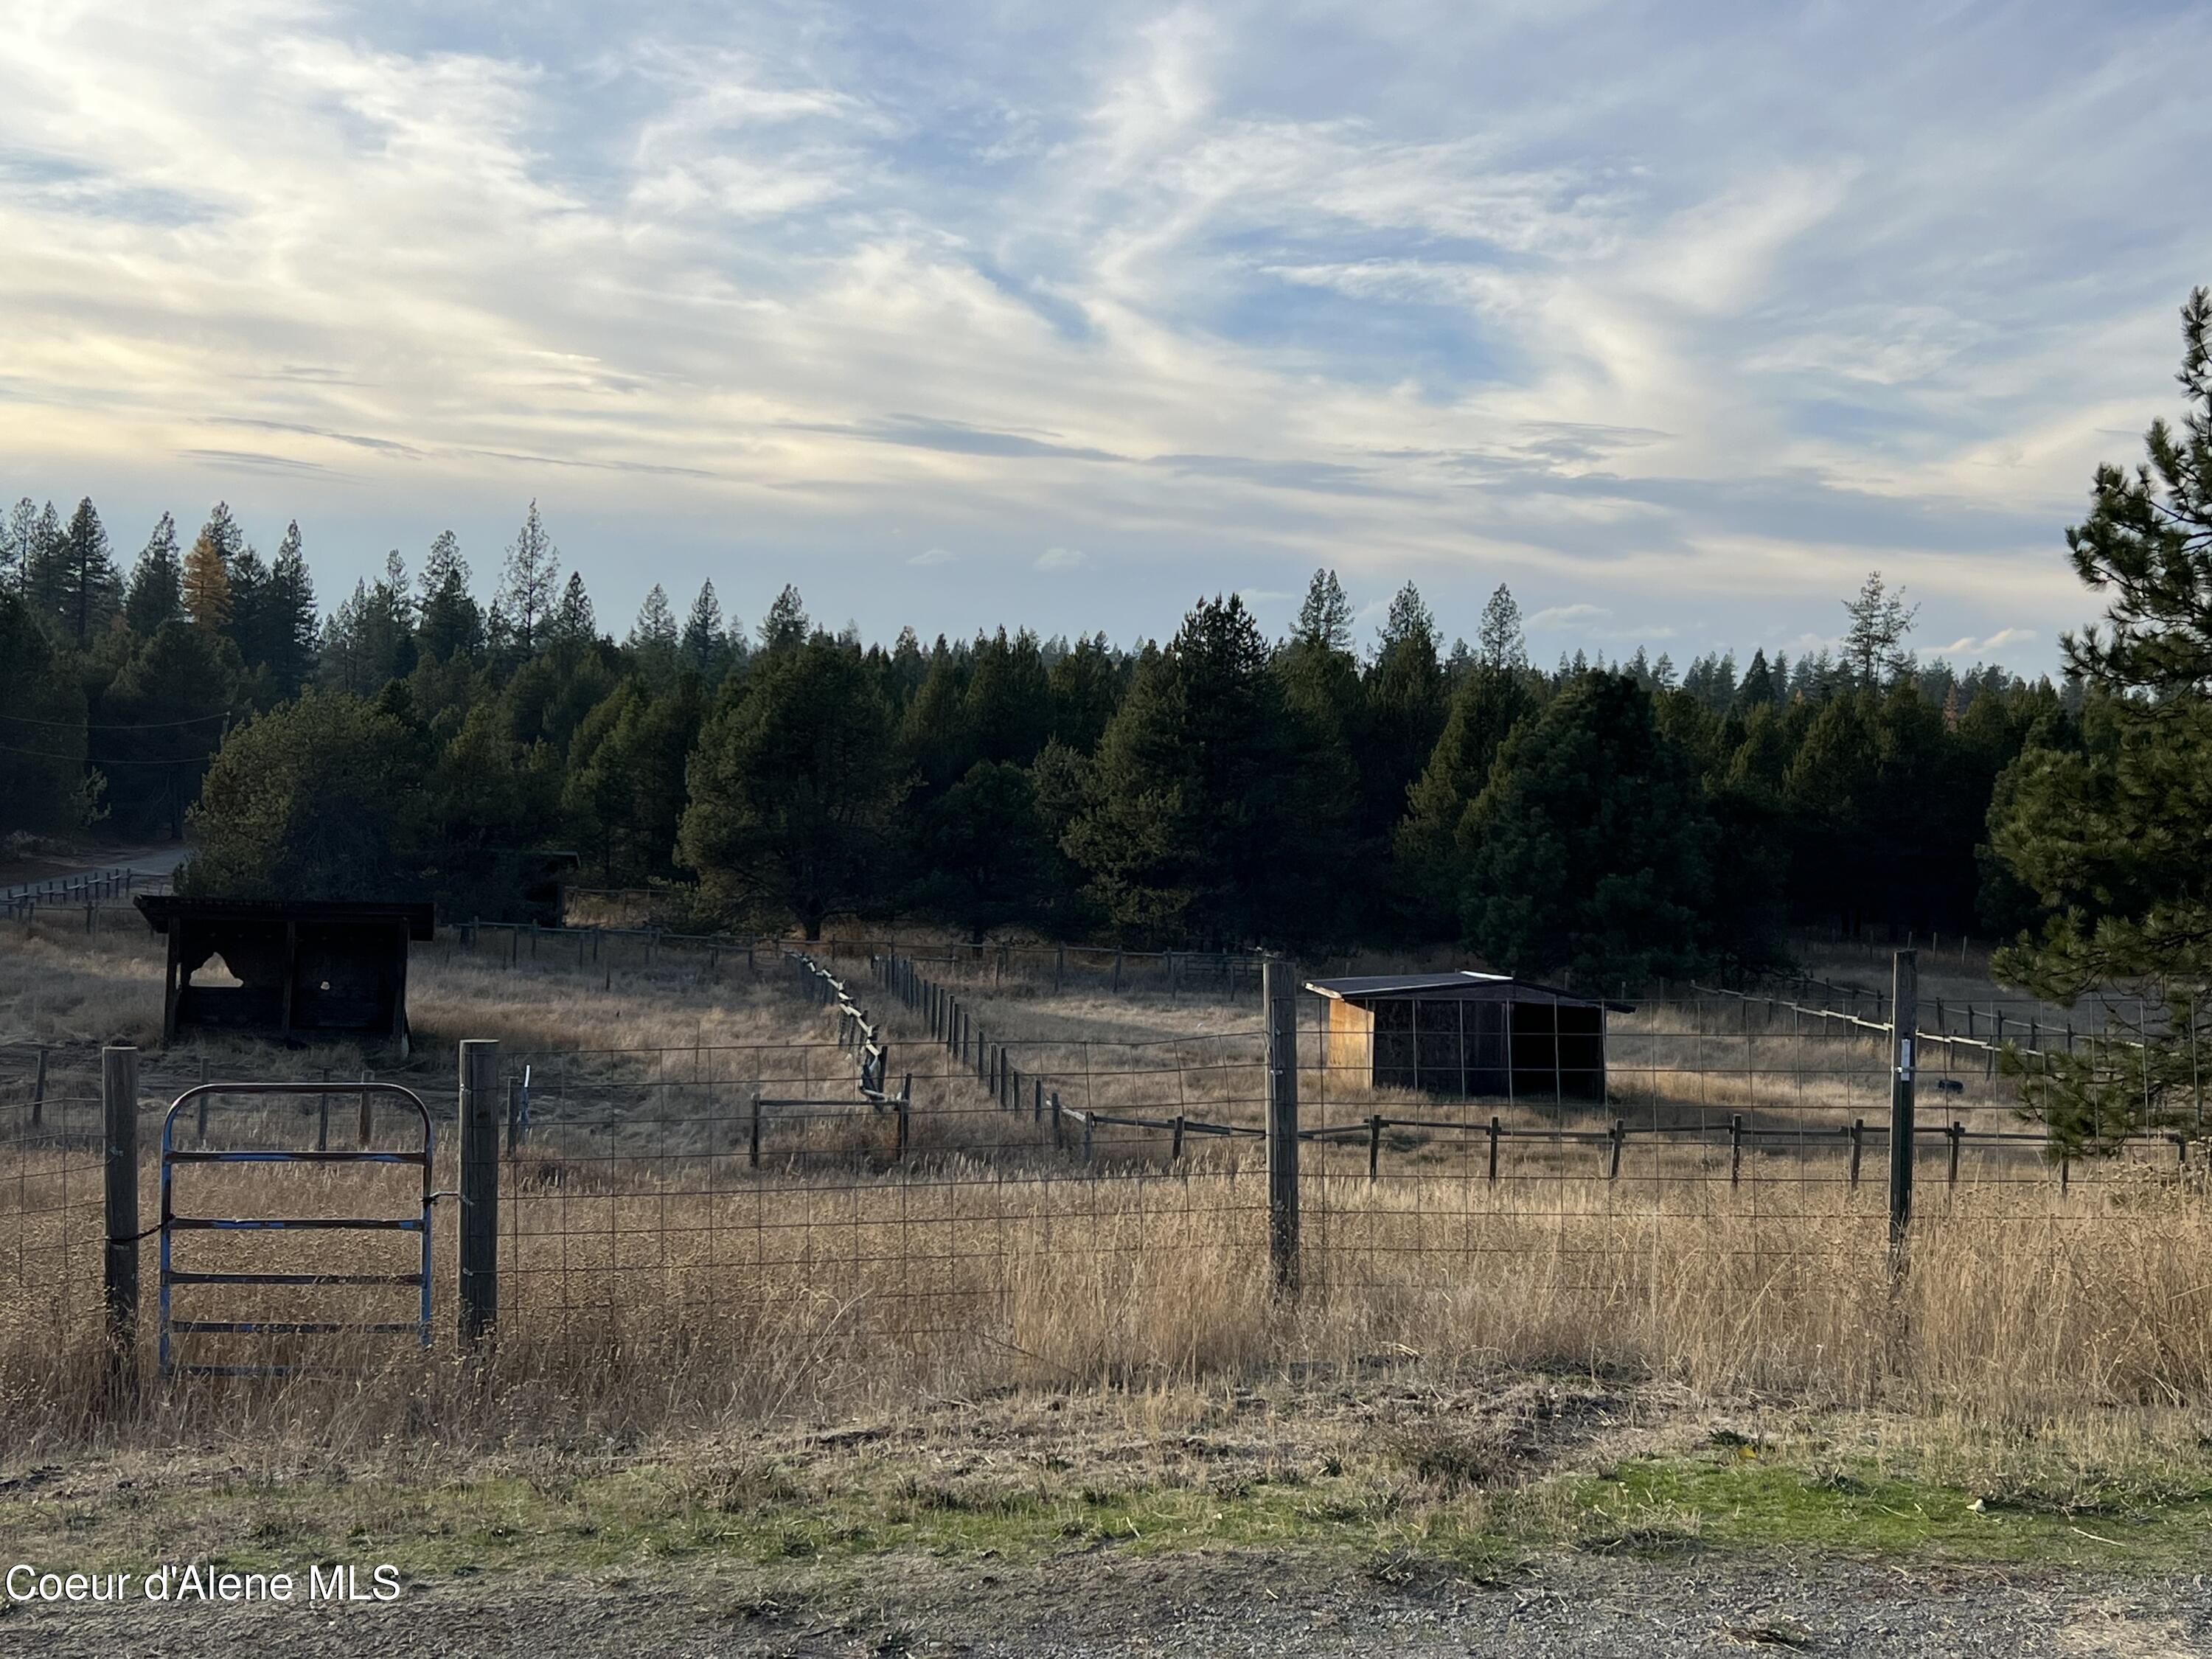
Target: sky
x=1676, y=320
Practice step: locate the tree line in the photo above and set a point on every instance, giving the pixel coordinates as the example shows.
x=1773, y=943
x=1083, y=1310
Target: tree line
x=1599, y=820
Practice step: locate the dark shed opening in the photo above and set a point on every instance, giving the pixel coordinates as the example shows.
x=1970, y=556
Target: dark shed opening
x=295, y=971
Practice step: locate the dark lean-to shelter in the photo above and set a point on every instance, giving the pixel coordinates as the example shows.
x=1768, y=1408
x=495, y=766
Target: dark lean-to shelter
x=1464, y=1033
x=297, y=971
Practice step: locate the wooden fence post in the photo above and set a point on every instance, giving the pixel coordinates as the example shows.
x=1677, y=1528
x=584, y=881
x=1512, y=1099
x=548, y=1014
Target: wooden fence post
x=905, y=1113
x=1858, y=1144
x=1374, y=1146
x=1496, y=1127
x=1735, y=1148
x=1905, y=1007
x=1174, y=1149
x=1957, y=1132
x=1619, y=1133
x=118, y=1095
x=38, y=1091
x=752, y=1147
x=478, y=1232
x=1279, y=987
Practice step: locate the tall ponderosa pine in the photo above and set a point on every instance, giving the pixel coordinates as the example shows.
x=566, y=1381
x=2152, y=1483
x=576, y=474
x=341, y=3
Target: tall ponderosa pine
x=1202, y=829
x=654, y=641
x=705, y=643
x=450, y=622
x=1402, y=718
x=89, y=590
x=290, y=629
x=1874, y=638
x=156, y=593
x=18, y=536
x=1431, y=848
x=785, y=624
x=2114, y=837
x=1500, y=644
x=530, y=586
x=1325, y=617
x=1593, y=851
x=574, y=621
x=43, y=561
x=792, y=796
x=43, y=783
x=625, y=791
x=160, y=719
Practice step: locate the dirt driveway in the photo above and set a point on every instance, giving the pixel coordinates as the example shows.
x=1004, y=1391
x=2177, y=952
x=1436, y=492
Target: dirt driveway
x=1100, y=1602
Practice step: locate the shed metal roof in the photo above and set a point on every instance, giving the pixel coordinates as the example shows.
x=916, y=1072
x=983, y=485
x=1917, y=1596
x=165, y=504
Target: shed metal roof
x=1464, y=985
x=159, y=909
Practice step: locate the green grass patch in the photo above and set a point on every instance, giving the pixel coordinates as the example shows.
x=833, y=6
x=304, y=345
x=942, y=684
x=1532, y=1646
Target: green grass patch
x=1732, y=1497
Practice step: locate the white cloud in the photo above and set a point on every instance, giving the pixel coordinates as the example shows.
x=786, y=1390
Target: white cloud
x=699, y=283
x=1061, y=558
x=2004, y=639
x=932, y=555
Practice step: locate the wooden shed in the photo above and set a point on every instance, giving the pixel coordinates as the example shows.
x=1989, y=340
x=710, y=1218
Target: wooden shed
x=1464, y=1033
x=329, y=969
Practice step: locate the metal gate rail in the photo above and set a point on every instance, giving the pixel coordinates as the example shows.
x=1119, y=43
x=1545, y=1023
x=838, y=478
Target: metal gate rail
x=173, y=1224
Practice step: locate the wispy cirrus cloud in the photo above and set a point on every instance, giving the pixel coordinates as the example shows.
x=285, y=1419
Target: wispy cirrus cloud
x=773, y=291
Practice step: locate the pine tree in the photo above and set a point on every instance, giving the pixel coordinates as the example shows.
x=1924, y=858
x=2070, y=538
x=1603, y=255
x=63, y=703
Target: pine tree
x=1592, y=849
x=43, y=566
x=90, y=591
x=706, y=642
x=292, y=627
x=1402, y=717
x=529, y=587
x=42, y=725
x=791, y=790
x=574, y=621
x=1430, y=855
x=18, y=536
x=207, y=570
x=785, y=624
x=654, y=641
x=157, y=582
x=1499, y=642
x=1874, y=640
x=1757, y=687
x=450, y=622
x=1325, y=618
x=2113, y=837
x=1199, y=829
x=249, y=625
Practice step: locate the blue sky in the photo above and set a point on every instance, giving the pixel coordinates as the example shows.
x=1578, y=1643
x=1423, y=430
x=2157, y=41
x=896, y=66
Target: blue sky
x=1676, y=320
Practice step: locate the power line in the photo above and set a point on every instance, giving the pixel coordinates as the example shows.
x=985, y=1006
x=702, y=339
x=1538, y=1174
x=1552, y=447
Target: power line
x=89, y=760
x=87, y=725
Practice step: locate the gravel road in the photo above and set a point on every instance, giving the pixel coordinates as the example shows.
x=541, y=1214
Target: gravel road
x=1100, y=1602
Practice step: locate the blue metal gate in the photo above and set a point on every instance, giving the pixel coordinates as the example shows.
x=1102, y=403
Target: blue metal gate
x=173, y=1224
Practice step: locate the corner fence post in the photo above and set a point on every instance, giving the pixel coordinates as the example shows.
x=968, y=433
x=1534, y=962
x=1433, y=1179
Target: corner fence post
x=1279, y=988
x=119, y=1096
x=1904, y=1006
x=479, y=1189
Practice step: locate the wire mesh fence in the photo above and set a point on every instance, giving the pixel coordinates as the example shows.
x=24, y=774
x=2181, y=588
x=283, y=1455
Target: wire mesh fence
x=942, y=1179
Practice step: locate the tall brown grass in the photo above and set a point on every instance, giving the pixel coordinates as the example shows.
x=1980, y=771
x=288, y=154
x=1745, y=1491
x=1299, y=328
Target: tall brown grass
x=655, y=1281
